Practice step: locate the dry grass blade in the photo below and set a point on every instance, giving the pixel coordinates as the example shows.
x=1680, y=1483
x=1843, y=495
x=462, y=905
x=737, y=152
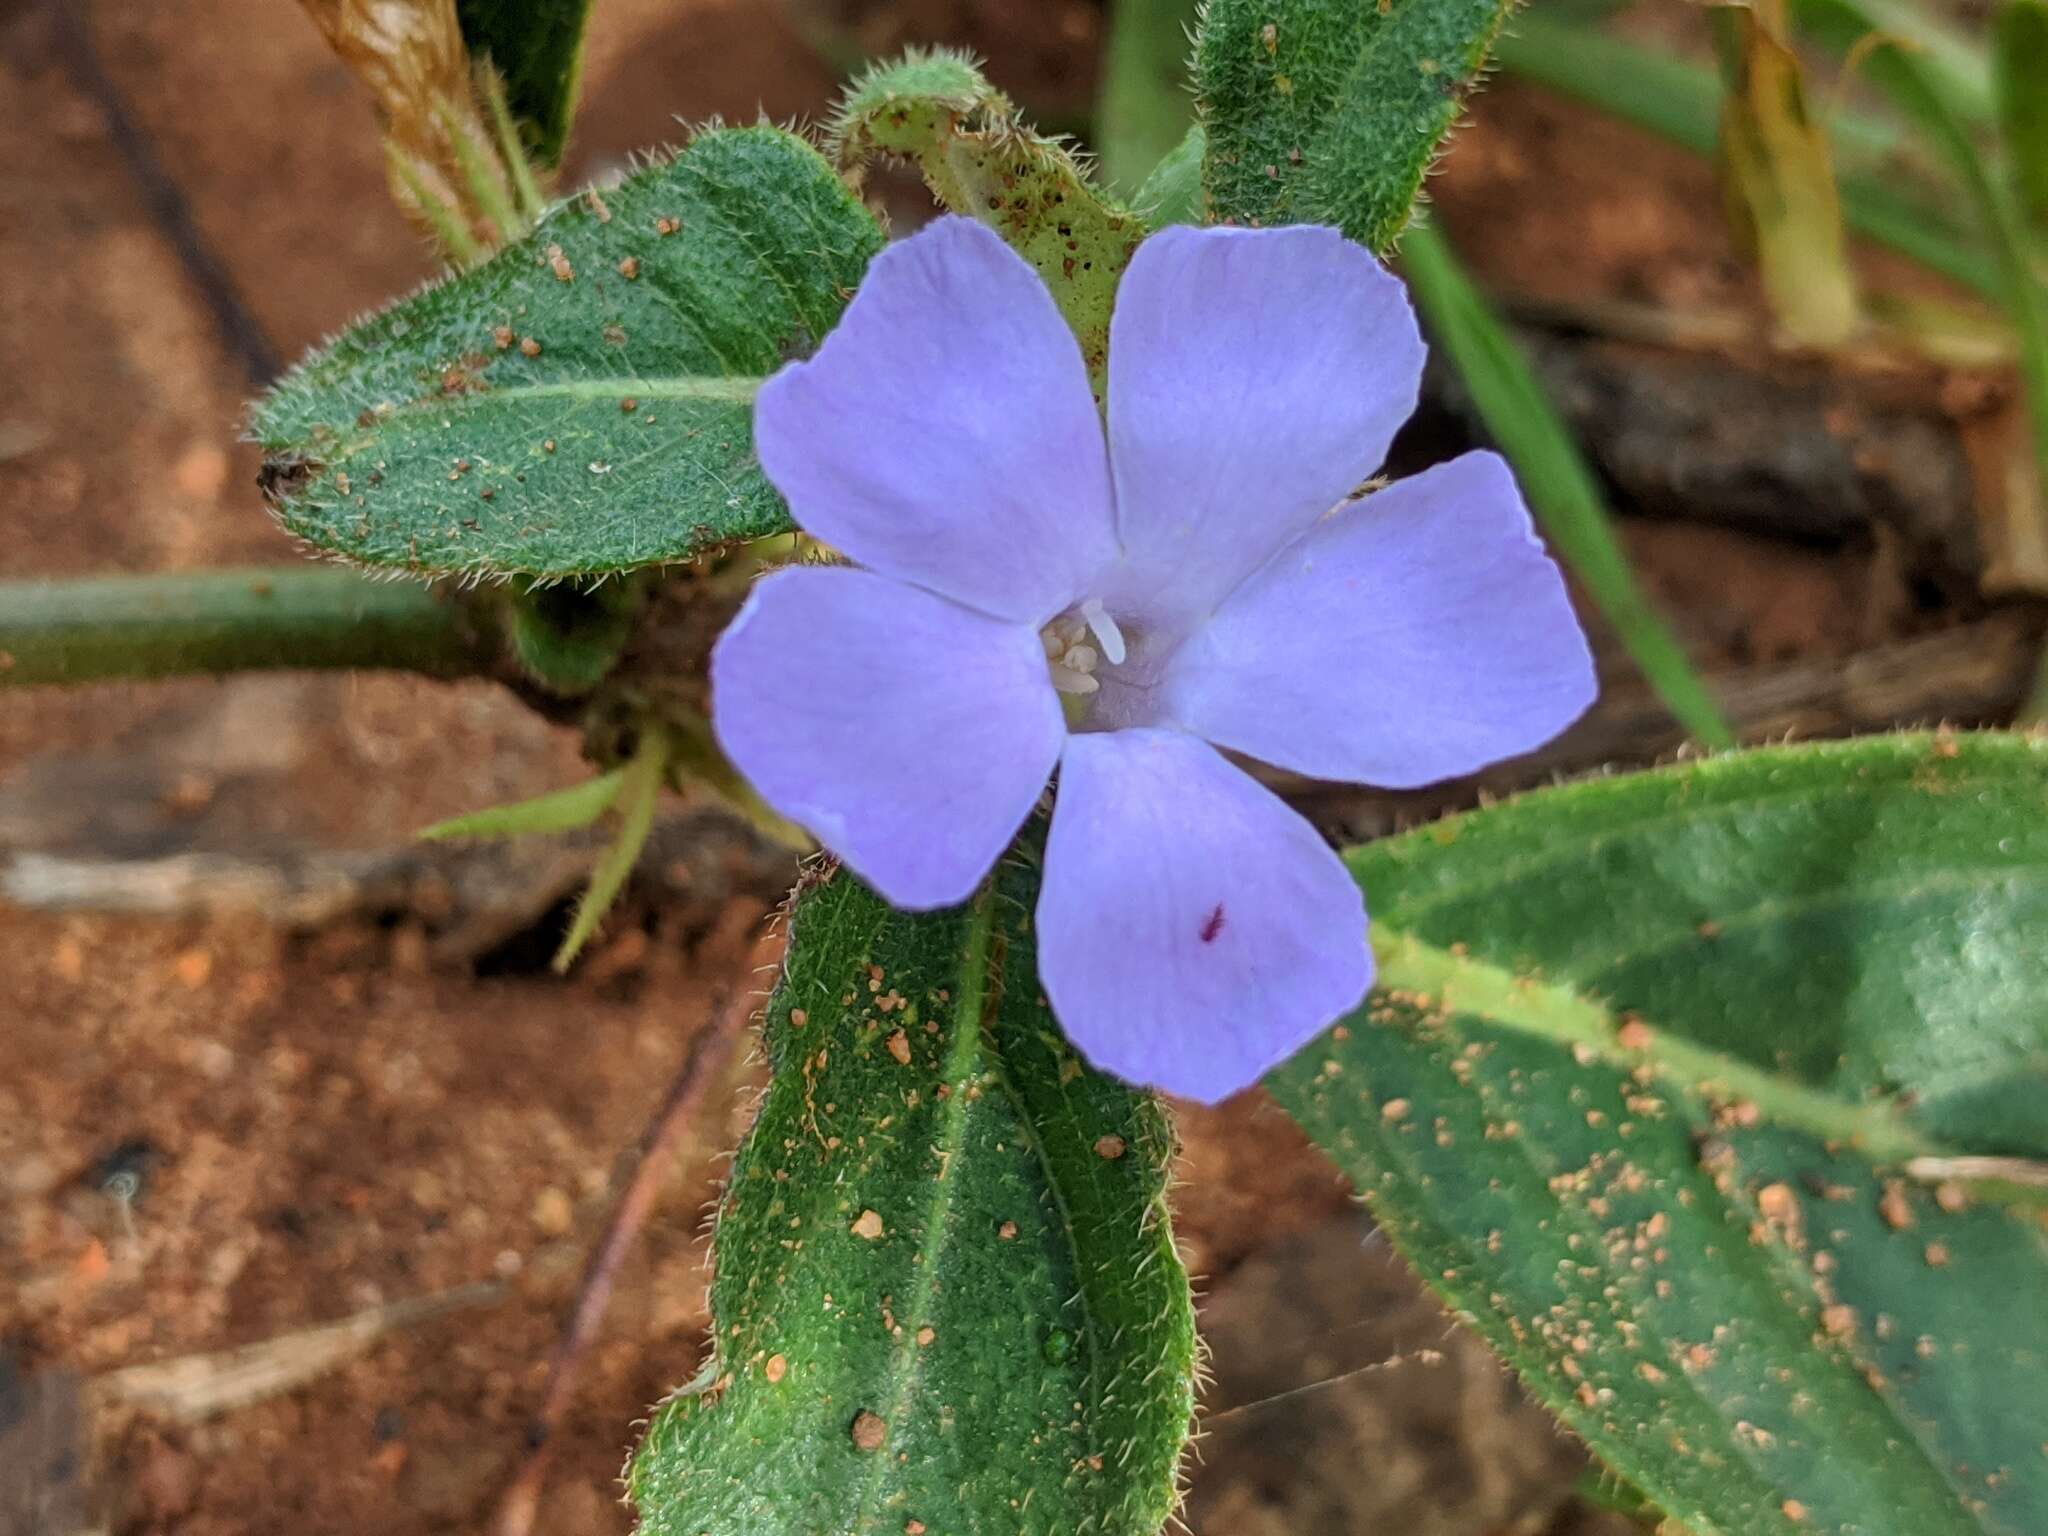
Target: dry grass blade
x=195, y=1387
x=442, y=148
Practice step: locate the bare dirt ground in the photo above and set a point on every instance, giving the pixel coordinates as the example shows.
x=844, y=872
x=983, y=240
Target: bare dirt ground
x=214, y=1133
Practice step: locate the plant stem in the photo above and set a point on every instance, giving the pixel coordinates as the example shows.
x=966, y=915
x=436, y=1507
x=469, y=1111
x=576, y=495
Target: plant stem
x=256, y=619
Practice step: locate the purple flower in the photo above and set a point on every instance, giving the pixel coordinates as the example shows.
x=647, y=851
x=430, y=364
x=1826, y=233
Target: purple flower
x=1040, y=593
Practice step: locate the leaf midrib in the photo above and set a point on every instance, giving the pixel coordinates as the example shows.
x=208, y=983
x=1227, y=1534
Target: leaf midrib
x=1620, y=1449
x=978, y=993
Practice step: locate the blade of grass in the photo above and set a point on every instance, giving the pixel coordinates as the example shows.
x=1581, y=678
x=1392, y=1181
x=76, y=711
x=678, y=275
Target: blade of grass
x=1673, y=98
x=1955, y=65
x=1555, y=477
x=1905, y=74
x=2020, y=54
x=639, y=791
x=1681, y=102
x=1778, y=176
x=1172, y=194
x=563, y=810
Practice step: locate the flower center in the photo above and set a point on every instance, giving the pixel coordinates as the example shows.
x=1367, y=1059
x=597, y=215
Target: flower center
x=1077, y=643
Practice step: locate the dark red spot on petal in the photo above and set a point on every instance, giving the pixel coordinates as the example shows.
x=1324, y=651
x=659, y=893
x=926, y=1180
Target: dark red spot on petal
x=1213, y=925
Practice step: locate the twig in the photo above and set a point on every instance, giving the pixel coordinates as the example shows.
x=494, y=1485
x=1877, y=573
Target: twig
x=1776, y=450
x=470, y=898
x=195, y=1387
x=705, y=1065
x=1968, y=675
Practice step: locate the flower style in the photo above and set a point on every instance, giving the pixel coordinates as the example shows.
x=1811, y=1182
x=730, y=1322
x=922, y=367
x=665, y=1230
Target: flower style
x=1038, y=593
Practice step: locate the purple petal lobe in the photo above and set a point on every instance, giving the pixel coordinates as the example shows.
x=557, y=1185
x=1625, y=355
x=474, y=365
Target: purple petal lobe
x=945, y=433
x=1419, y=634
x=1255, y=380
x=911, y=735
x=1192, y=930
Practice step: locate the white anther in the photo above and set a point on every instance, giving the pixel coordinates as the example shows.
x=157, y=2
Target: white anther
x=1068, y=681
x=1055, y=647
x=1104, y=628
x=1080, y=658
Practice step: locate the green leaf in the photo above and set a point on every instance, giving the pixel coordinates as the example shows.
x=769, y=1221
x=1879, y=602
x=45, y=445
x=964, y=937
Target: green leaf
x=1640, y=1053
x=1554, y=475
x=537, y=47
x=936, y=110
x=2020, y=58
x=567, y=638
x=639, y=792
x=1172, y=194
x=561, y=810
x=1145, y=106
x=1330, y=111
x=434, y=438
x=946, y=1295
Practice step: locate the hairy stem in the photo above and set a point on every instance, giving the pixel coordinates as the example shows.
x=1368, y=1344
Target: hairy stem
x=256, y=619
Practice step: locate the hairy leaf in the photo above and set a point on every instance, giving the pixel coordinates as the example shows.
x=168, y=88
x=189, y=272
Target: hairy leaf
x=946, y=1297
x=581, y=402
x=1652, y=1091
x=537, y=46
x=1330, y=111
x=979, y=158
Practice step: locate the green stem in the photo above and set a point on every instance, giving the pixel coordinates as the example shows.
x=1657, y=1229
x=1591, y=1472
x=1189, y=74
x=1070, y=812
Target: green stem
x=261, y=619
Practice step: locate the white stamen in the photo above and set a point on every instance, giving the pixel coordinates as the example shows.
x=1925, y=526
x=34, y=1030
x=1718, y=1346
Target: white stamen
x=1080, y=658
x=1055, y=647
x=1068, y=681
x=1105, y=630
